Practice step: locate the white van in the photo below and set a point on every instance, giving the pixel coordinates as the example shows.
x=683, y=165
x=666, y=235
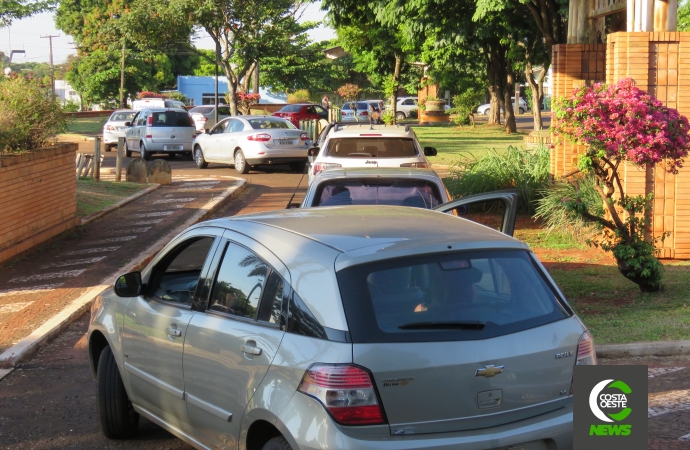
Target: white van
x=147, y=103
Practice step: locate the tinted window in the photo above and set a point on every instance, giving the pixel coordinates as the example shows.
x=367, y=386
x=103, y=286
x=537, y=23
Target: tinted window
x=267, y=123
x=141, y=119
x=371, y=191
x=477, y=295
x=291, y=108
x=176, y=277
x=302, y=321
x=371, y=147
x=171, y=119
x=272, y=301
x=239, y=282
x=360, y=106
x=201, y=110
x=122, y=116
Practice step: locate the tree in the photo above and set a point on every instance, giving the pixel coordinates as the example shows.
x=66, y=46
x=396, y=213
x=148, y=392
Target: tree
x=243, y=32
x=18, y=9
x=684, y=16
x=621, y=123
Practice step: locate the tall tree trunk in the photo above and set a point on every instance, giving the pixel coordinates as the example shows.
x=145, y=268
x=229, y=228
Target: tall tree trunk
x=495, y=102
x=495, y=70
x=540, y=82
x=396, y=77
x=511, y=126
x=536, y=103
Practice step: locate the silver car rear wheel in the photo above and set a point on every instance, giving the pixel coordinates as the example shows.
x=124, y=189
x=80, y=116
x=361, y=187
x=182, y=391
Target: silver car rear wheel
x=146, y=155
x=241, y=163
x=400, y=115
x=277, y=443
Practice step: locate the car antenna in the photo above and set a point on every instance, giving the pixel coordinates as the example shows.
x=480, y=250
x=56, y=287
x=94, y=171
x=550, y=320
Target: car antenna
x=306, y=169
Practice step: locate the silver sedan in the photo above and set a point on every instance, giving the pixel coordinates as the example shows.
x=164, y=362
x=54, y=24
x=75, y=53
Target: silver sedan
x=115, y=127
x=249, y=141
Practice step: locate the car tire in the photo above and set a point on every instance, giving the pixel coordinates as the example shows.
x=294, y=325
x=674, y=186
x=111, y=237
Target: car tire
x=199, y=158
x=128, y=152
x=108, y=147
x=145, y=154
x=298, y=166
x=116, y=415
x=522, y=110
x=486, y=111
x=241, y=165
x=277, y=443
x=400, y=115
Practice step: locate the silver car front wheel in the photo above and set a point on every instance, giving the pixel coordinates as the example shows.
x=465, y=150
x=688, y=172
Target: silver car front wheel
x=199, y=158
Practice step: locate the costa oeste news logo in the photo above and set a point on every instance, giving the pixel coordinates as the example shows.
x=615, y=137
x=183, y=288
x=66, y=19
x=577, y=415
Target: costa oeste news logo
x=610, y=407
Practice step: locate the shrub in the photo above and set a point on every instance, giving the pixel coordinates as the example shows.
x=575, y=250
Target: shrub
x=299, y=96
x=149, y=94
x=71, y=106
x=526, y=170
x=621, y=123
x=349, y=92
x=464, y=105
x=388, y=117
x=552, y=207
x=30, y=116
x=175, y=95
x=414, y=114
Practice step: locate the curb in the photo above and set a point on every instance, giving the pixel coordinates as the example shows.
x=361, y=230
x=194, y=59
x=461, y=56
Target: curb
x=30, y=344
x=90, y=218
x=654, y=348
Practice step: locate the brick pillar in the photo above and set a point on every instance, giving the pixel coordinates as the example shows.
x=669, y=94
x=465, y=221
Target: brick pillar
x=574, y=65
x=659, y=62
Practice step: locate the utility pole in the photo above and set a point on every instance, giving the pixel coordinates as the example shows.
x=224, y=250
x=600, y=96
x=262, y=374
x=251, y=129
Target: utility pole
x=122, y=77
x=52, y=70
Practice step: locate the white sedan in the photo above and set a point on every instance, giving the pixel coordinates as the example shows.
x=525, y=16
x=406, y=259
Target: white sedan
x=250, y=141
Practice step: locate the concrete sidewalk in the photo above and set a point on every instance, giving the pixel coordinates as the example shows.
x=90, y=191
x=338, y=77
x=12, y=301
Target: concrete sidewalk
x=38, y=286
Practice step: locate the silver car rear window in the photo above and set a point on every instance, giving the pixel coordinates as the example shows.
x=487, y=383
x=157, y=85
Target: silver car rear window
x=122, y=116
x=361, y=106
x=378, y=191
x=171, y=119
x=447, y=297
x=371, y=147
x=266, y=123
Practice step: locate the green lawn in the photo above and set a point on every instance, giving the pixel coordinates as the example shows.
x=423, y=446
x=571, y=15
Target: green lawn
x=86, y=125
x=454, y=142
x=616, y=311
x=93, y=197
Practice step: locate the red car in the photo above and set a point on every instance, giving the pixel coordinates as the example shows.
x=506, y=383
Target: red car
x=302, y=111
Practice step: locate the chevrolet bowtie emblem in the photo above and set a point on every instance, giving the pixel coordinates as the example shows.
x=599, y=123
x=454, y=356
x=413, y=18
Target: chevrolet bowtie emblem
x=489, y=371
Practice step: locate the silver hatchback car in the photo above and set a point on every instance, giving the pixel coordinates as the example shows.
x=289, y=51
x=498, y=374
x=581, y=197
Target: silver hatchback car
x=362, y=327
x=160, y=130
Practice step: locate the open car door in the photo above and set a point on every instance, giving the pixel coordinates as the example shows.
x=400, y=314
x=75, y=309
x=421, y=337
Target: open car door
x=496, y=209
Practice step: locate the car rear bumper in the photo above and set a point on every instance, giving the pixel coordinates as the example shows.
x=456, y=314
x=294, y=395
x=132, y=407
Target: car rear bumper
x=111, y=138
x=276, y=160
x=158, y=147
x=306, y=425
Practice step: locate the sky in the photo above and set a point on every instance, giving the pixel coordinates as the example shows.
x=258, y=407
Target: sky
x=26, y=35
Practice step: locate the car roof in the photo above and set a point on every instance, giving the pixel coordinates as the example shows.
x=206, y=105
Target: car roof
x=375, y=228
x=376, y=172
x=163, y=109
x=364, y=129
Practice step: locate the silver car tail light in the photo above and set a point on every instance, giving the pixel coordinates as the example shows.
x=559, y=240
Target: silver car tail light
x=416, y=165
x=261, y=137
x=586, y=356
x=110, y=128
x=149, y=121
x=320, y=167
x=304, y=136
x=346, y=391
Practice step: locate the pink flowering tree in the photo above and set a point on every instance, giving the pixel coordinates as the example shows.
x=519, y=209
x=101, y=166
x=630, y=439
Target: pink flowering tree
x=620, y=123
x=350, y=92
x=245, y=101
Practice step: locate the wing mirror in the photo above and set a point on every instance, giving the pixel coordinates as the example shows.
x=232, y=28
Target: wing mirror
x=128, y=285
x=430, y=151
x=128, y=124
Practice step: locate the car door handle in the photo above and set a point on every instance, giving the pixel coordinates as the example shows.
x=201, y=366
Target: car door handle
x=248, y=349
x=173, y=331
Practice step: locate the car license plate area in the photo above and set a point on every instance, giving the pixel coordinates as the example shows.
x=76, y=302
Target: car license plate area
x=121, y=129
x=283, y=141
x=172, y=147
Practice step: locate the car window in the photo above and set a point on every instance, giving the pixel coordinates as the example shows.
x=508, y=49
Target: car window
x=378, y=191
x=360, y=106
x=239, y=283
x=234, y=126
x=223, y=110
x=291, y=108
x=121, y=116
x=171, y=119
x=311, y=110
x=175, y=278
x=201, y=109
x=220, y=127
x=371, y=147
x=265, y=123
x=271, y=304
x=478, y=294
x=320, y=110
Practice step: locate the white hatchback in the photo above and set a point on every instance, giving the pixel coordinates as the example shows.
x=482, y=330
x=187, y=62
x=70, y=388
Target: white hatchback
x=359, y=145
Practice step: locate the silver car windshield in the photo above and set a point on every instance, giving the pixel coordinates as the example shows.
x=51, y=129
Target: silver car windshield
x=371, y=147
x=379, y=191
x=447, y=297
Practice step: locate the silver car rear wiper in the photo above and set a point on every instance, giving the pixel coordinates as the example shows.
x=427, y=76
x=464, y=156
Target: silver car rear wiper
x=457, y=324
